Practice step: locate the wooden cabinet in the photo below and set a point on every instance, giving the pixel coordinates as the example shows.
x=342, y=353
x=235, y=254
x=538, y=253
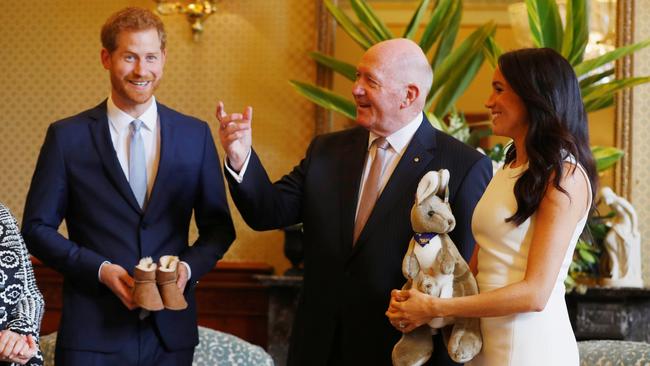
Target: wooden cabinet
x=228, y=299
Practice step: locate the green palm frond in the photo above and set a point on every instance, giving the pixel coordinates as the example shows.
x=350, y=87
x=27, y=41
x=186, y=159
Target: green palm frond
x=373, y=25
x=606, y=157
x=545, y=23
x=576, y=32
x=326, y=98
x=589, y=65
x=348, y=25
x=414, y=24
x=447, y=38
x=440, y=17
x=460, y=63
x=347, y=70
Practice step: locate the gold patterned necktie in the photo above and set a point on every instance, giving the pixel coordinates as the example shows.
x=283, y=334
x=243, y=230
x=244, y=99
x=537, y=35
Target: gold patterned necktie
x=372, y=186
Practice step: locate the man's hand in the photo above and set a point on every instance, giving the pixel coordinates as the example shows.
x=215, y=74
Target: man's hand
x=16, y=348
x=118, y=280
x=235, y=135
x=181, y=281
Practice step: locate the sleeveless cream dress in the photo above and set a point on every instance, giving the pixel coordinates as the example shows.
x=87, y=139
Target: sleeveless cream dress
x=526, y=339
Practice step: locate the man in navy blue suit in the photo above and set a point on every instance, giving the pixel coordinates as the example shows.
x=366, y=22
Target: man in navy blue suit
x=353, y=192
x=126, y=176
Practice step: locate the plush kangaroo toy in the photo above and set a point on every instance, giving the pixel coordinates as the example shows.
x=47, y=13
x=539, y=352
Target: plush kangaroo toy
x=434, y=266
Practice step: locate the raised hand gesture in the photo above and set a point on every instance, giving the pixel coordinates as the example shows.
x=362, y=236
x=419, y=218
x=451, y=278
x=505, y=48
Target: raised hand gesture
x=235, y=135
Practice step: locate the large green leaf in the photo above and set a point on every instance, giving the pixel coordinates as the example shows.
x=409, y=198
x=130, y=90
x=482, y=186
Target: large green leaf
x=370, y=21
x=447, y=38
x=610, y=88
x=576, y=32
x=601, y=96
x=588, y=65
x=459, y=80
x=545, y=23
x=587, y=256
x=477, y=134
x=599, y=103
x=437, y=122
x=460, y=58
x=346, y=23
x=326, y=98
x=414, y=24
x=606, y=157
x=492, y=51
x=593, y=79
x=349, y=71
x=439, y=19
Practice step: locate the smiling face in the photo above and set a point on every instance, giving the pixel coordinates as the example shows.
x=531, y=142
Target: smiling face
x=136, y=67
x=509, y=114
x=378, y=94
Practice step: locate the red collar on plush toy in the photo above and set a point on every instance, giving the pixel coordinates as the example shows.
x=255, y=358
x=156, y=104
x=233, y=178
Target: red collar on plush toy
x=424, y=238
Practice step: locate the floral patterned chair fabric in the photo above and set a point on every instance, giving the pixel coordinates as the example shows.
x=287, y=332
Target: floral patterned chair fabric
x=215, y=349
x=614, y=353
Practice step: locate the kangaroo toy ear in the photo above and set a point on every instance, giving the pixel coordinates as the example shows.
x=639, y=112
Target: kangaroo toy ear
x=428, y=185
x=443, y=187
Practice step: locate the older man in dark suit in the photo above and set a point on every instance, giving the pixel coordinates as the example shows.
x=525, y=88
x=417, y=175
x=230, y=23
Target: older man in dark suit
x=353, y=191
x=127, y=176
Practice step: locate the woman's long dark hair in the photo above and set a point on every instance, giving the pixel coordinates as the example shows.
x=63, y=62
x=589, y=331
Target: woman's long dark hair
x=557, y=124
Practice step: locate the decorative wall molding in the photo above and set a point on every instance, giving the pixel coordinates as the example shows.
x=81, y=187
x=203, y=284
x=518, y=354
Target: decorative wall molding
x=640, y=131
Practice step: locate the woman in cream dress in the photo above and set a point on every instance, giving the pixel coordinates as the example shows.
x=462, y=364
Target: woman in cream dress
x=528, y=221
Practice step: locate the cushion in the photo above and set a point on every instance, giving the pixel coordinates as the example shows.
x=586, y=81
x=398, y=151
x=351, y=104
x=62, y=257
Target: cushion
x=215, y=349
x=614, y=353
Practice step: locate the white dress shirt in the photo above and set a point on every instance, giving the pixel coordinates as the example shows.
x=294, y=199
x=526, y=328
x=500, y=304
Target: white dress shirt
x=398, y=142
x=119, y=123
x=120, y=127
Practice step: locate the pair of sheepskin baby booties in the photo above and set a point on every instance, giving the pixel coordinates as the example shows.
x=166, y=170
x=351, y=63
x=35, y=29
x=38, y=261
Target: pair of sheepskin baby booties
x=155, y=285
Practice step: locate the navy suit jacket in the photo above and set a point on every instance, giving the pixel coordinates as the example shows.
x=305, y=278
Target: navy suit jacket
x=79, y=178
x=347, y=288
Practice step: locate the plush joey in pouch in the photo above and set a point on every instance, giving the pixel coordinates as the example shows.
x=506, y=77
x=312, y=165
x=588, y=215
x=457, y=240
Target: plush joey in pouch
x=166, y=277
x=433, y=265
x=145, y=292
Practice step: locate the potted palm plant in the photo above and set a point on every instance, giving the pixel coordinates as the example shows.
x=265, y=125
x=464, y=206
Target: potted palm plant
x=455, y=68
x=599, y=85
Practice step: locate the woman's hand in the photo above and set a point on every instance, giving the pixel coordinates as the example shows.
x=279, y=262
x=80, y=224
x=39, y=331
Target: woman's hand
x=410, y=309
x=16, y=347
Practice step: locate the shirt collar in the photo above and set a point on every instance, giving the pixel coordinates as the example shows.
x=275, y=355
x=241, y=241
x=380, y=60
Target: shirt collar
x=400, y=139
x=120, y=119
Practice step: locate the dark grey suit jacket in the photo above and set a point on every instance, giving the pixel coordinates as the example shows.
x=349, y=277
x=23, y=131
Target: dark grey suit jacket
x=347, y=288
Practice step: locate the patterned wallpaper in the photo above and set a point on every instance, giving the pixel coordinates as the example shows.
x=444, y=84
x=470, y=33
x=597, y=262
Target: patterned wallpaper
x=641, y=135
x=50, y=69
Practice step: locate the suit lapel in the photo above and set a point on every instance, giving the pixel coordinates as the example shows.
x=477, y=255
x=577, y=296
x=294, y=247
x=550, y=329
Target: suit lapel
x=352, y=159
x=104, y=144
x=166, y=157
x=410, y=168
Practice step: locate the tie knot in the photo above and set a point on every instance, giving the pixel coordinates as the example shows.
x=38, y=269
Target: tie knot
x=137, y=124
x=382, y=143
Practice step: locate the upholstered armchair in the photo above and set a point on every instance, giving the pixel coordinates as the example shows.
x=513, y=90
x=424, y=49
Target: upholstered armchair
x=614, y=353
x=215, y=349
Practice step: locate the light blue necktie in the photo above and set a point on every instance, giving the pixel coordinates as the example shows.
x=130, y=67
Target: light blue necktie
x=137, y=164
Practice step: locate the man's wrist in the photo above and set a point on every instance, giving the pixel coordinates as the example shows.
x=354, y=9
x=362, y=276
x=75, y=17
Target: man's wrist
x=99, y=271
x=189, y=270
x=236, y=163
x=238, y=175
